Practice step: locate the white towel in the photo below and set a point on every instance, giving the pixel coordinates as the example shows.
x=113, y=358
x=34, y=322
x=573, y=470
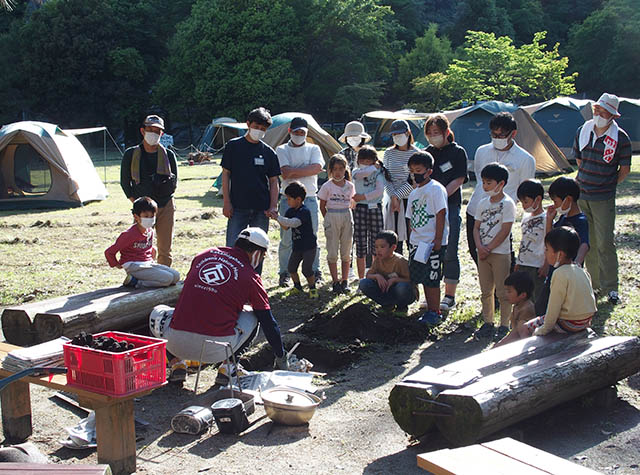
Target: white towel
x=610, y=141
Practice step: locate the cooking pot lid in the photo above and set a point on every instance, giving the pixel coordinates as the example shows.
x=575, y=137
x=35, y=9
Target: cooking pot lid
x=288, y=397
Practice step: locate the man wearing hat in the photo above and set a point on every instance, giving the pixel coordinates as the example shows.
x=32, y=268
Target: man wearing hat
x=149, y=169
x=603, y=153
x=355, y=137
x=212, y=307
x=299, y=161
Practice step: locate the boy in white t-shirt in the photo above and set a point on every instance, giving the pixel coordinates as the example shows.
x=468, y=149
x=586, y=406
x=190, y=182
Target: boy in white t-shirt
x=427, y=214
x=494, y=217
x=531, y=256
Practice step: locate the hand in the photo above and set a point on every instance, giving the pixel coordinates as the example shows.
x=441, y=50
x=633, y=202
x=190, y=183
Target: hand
x=132, y=199
x=516, y=268
x=272, y=213
x=382, y=282
x=395, y=204
x=358, y=197
x=543, y=270
x=483, y=252
x=551, y=213
x=437, y=245
x=227, y=210
x=282, y=362
x=154, y=253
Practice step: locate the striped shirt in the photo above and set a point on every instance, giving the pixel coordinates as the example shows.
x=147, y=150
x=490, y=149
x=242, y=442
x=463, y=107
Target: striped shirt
x=395, y=161
x=597, y=178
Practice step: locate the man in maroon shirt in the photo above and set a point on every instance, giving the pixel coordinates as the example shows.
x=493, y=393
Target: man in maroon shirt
x=212, y=306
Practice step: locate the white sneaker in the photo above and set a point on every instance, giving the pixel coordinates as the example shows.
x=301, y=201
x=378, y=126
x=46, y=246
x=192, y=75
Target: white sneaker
x=424, y=304
x=447, y=304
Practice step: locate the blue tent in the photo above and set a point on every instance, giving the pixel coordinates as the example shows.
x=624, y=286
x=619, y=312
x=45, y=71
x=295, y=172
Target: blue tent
x=471, y=127
x=382, y=136
x=560, y=118
x=219, y=132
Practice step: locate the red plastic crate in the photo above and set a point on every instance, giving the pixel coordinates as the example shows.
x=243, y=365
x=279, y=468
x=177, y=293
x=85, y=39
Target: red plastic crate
x=117, y=374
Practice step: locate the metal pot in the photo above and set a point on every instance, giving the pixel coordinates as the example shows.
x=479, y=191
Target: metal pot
x=288, y=406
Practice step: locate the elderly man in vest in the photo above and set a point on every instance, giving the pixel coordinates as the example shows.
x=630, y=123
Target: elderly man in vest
x=603, y=154
x=149, y=169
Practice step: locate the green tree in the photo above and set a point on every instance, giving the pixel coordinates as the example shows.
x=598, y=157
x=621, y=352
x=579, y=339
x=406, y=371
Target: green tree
x=353, y=99
x=604, y=48
x=492, y=68
x=430, y=54
x=480, y=15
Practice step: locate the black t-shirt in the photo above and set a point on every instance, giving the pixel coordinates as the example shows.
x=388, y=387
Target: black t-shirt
x=251, y=165
x=302, y=237
x=450, y=162
x=148, y=168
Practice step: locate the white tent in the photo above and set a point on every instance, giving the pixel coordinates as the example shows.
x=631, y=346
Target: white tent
x=44, y=166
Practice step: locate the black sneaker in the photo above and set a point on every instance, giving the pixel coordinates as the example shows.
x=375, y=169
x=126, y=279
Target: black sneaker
x=283, y=280
x=344, y=287
x=130, y=281
x=318, y=275
x=501, y=332
x=613, y=297
x=487, y=330
x=336, y=288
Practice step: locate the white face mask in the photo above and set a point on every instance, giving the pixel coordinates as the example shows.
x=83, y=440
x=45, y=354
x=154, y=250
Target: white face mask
x=495, y=191
x=530, y=210
x=152, y=138
x=298, y=139
x=500, y=144
x=256, y=259
x=562, y=212
x=600, y=121
x=436, y=140
x=400, y=140
x=354, y=141
x=147, y=223
x=256, y=134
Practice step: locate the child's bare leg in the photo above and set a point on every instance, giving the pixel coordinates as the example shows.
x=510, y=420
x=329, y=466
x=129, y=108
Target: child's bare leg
x=311, y=280
x=432, y=294
x=361, y=263
x=346, y=265
x=333, y=270
x=295, y=278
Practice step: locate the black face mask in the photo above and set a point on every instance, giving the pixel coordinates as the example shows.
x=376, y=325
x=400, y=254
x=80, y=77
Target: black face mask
x=419, y=177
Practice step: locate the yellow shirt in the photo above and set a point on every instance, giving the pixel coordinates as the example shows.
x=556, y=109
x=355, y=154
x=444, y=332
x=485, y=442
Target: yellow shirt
x=394, y=266
x=570, y=297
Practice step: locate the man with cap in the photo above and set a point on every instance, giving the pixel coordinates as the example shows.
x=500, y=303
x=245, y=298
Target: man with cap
x=149, y=169
x=212, y=307
x=250, y=172
x=603, y=153
x=299, y=161
x=355, y=137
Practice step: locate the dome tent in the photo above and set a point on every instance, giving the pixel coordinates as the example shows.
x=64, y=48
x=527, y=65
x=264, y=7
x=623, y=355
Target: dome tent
x=42, y=166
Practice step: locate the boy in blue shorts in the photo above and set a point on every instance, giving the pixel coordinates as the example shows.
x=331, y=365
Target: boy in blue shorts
x=564, y=192
x=427, y=214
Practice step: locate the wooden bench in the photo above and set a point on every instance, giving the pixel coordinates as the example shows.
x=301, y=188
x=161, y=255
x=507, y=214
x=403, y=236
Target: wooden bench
x=113, y=308
x=115, y=425
x=504, y=456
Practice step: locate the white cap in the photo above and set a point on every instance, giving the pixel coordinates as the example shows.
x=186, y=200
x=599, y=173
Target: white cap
x=256, y=236
x=609, y=102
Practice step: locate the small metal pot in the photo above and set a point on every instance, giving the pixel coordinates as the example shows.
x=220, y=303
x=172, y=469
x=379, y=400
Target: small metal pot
x=289, y=406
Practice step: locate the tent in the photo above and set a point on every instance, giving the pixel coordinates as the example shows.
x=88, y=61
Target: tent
x=219, y=132
x=382, y=137
x=629, y=120
x=278, y=133
x=471, y=129
x=43, y=166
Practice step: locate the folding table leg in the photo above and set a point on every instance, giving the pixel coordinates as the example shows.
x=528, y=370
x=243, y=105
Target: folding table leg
x=116, y=436
x=16, y=412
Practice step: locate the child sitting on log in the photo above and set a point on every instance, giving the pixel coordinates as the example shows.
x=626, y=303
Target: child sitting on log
x=137, y=253
x=519, y=288
x=571, y=301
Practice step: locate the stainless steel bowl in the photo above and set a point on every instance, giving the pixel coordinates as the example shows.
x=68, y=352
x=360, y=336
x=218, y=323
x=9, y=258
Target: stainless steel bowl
x=289, y=406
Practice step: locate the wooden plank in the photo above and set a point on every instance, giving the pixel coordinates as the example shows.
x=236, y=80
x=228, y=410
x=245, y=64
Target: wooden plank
x=116, y=437
x=538, y=458
x=42, y=469
x=15, y=402
x=473, y=460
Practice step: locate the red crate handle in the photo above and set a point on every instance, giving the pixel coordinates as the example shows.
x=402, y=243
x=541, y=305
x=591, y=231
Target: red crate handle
x=140, y=356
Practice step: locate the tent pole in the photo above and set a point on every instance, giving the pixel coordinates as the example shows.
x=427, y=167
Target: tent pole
x=104, y=154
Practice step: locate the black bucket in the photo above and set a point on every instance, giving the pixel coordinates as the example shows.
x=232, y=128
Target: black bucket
x=230, y=415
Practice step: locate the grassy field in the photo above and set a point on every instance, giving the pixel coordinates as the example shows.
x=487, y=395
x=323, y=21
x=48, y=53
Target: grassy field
x=48, y=253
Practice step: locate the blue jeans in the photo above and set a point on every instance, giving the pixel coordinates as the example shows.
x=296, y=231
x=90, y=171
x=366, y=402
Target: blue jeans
x=401, y=293
x=243, y=218
x=451, y=262
x=285, y=247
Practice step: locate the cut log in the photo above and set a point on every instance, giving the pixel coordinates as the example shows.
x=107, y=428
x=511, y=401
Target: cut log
x=115, y=308
x=410, y=400
x=504, y=398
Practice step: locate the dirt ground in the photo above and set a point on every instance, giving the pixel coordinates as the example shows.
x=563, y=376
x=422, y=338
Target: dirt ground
x=353, y=431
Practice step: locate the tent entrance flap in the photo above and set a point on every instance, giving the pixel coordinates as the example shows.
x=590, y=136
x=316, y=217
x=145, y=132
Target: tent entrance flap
x=24, y=172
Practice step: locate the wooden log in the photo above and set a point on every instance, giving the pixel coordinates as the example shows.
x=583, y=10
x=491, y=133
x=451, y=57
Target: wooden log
x=410, y=399
x=16, y=412
x=504, y=398
x=17, y=327
x=107, y=309
x=116, y=436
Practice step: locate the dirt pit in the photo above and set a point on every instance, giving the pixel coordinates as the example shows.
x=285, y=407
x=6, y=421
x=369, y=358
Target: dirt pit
x=333, y=341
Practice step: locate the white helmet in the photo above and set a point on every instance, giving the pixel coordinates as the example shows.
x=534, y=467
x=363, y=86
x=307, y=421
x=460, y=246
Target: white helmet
x=256, y=236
